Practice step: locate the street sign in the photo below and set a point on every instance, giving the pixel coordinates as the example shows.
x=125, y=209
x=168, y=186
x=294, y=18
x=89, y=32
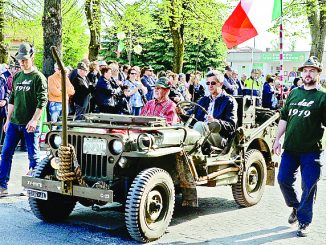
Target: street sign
x=287, y=57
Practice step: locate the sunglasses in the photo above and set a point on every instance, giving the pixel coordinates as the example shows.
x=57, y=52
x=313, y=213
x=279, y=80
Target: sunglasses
x=133, y=73
x=211, y=83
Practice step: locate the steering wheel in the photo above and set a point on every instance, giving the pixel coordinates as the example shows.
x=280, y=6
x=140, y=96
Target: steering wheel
x=184, y=106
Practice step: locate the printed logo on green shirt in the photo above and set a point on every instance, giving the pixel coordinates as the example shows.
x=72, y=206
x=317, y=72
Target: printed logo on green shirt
x=299, y=113
x=24, y=85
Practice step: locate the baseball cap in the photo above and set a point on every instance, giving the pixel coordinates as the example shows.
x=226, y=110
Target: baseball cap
x=163, y=82
x=311, y=62
x=82, y=66
x=25, y=51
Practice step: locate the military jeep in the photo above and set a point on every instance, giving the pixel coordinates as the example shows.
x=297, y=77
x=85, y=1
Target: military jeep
x=142, y=163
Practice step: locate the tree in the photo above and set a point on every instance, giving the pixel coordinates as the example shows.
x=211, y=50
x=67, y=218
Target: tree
x=74, y=38
x=52, y=33
x=135, y=21
x=3, y=46
x=23, y=23
x=158, y=51
x=177, y=27
x=93, y=16
x=192, y=21
x=316, y=13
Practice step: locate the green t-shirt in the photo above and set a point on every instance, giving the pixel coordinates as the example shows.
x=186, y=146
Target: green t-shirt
x=29, y=91
x=305, y=113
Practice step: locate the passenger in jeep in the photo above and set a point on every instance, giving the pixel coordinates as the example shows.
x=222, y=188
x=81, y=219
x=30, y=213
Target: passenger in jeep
x=161, y=105
x=220, y=122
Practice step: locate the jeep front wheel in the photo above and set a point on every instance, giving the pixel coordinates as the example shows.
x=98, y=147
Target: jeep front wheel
x=57, y=207
x=251, y=183
x=149, y=205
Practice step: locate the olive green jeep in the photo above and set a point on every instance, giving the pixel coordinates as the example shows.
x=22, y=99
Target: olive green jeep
x=142, y=163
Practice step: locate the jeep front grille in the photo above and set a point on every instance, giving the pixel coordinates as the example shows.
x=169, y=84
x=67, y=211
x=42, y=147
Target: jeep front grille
x=93, y=167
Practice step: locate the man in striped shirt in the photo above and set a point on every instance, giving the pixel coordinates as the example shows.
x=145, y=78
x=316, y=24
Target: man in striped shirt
x=161, y=105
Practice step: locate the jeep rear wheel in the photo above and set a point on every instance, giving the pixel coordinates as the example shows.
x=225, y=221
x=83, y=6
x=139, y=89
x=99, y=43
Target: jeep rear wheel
x=251, y=183
x=57, y=207
x=150, y=205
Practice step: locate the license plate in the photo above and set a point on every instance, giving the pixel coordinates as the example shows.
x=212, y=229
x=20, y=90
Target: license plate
x=94, y=146
x=43, y=195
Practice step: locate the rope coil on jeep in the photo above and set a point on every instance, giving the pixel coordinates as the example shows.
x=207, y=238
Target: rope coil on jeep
x=68, y=159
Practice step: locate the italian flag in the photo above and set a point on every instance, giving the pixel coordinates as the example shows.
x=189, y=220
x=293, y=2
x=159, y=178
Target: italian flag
x=250, y=18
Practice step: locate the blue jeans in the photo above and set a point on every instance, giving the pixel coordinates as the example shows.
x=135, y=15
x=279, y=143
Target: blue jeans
x=55, y=109
x=310, y=169
x=136, y=111
x=13, y=135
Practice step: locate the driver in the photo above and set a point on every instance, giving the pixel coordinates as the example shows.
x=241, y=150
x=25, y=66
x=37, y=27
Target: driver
x=221, y=118
x=161, y=105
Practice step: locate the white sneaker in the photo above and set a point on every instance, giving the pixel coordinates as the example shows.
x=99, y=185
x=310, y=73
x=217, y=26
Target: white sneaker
x=3, y=192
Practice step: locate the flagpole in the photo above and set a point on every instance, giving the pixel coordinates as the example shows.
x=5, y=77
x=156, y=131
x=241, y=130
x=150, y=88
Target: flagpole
x=252, y=67
x=252, y=54
x=281, y=51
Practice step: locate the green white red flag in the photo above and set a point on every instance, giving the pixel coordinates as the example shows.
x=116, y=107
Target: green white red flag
x=250, y=18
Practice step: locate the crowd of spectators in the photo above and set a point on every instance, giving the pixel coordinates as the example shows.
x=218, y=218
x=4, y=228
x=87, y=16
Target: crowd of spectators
x=109, y=87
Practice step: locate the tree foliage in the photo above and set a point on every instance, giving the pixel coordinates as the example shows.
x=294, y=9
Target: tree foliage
x=158, y=48
x=23, y=24
x=192, y=21
x=149, y=26
x=302, y=18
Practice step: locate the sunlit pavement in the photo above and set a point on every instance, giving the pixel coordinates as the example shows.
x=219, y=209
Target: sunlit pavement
x=218, y=220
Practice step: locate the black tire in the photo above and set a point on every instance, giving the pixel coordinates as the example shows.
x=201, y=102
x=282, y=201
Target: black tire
x=251, y=184
x=58, y=207
x=150, y=205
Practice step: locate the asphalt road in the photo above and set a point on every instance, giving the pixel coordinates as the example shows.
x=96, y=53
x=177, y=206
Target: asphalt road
x=218, y=220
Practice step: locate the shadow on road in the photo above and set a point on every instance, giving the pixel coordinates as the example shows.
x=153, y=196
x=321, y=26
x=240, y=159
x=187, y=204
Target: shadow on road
x=209, y=205
x=78, y=231
x=252, y=238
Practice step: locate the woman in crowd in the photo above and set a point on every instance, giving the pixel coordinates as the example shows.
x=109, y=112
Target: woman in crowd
x=175, y=93
x=297, y=82
x=269, y=99
x=105, y=93
x=136, y=91
x=196, y=90
x=184, y=86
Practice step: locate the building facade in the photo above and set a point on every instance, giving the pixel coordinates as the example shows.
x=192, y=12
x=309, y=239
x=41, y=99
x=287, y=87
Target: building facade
x=244, y=59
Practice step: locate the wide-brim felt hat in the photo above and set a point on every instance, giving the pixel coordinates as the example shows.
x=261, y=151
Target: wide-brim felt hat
x=25, y=52
x=311, y=62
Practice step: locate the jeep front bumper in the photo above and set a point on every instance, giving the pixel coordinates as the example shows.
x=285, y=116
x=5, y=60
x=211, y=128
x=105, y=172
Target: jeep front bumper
x=77, y=191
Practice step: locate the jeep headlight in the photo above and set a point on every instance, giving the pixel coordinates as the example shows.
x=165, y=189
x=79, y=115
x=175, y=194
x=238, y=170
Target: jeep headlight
x=57, y=140
x=117, y=147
